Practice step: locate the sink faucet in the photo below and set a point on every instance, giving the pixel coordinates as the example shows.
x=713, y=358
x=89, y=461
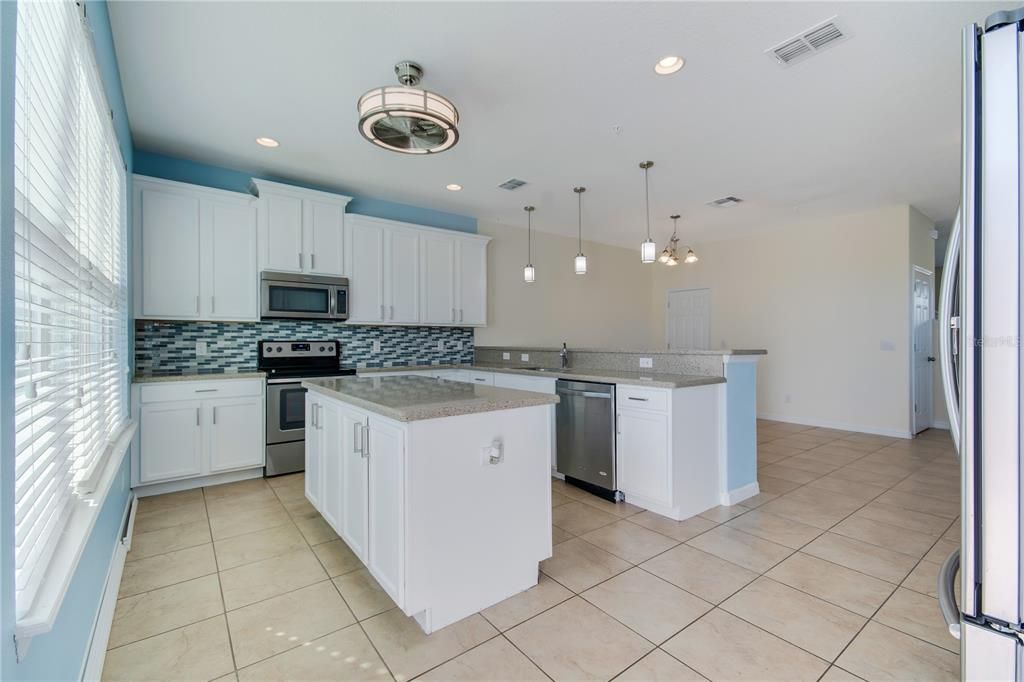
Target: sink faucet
x=564, y=355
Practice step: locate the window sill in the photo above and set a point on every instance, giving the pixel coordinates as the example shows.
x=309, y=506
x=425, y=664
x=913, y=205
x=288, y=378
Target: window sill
x=42, y=615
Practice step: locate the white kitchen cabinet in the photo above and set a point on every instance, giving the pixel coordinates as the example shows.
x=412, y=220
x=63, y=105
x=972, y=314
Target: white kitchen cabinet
x=313, y=477
x=471, y=282
x=401, y=275
x=437, y=279
x=170, y=440
x=383, y=272
x=474, y=377
x=329, y=432
x=386, y=457
x=300, y=230
x=354, y=523
x=234, y=443
x=197, y=429
x=644, y=466
x=195, y=252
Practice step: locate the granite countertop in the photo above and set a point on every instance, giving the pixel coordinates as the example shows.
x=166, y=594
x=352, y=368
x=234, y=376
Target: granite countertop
x=198, y=376
x=608, y=376
x=414, y=398
x=634, y=351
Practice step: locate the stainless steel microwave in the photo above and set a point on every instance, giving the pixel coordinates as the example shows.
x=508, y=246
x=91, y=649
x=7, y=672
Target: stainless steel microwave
x=303, y=297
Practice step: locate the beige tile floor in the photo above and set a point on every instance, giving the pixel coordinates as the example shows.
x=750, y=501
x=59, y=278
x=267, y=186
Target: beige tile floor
x=828, y=574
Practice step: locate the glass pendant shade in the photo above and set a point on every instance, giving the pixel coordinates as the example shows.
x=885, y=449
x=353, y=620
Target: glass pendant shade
x=529, y=274
x=647, y=251
x=581, y=264
x=665, y=255
x=691, y=257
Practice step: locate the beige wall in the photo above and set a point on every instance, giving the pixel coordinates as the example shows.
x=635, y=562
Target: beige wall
x=609, y=307
x=829, y=301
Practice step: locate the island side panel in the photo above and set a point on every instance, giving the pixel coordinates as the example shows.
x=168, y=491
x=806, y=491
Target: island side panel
x=476, y=531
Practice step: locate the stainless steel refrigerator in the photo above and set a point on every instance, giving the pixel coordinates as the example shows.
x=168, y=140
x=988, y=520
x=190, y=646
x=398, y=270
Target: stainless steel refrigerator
x=981, y=307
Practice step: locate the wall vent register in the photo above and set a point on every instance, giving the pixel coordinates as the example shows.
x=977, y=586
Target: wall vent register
x=809, y=42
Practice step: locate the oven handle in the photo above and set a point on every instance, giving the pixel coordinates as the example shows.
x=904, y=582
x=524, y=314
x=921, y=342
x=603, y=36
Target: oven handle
x=278, y=382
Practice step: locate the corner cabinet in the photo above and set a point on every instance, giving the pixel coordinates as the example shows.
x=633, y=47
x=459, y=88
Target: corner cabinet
x=194, y=252
x=300, y=230
x=401, y=273
x=193, y=429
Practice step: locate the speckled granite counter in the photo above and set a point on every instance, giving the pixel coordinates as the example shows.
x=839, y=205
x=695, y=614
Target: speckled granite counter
x=202, y=376
x=607, y=376
x=414, y=398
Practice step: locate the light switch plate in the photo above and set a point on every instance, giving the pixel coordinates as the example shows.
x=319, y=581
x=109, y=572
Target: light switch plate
x=646, y=363
x=506, y=356
x=524, y=357
x=201, y=348
x=375, y=346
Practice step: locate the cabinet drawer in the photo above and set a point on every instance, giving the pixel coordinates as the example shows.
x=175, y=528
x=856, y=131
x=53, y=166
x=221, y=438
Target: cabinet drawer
x=642, y=398
x=198, y=390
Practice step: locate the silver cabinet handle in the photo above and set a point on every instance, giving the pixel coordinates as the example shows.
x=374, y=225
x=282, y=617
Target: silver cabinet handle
x=197, y=416
x=207, y=390
x=357, y=445
x=300, y=260
x=366, y=438
x=312, y=415
x=213, y=305
x=319, y=417
x=312, y=261
x=197, y=304
x=453, y=314
x=479, y=379
x=215, y=416
x=382, y=315
x=460, y=314
x=618, y=429
x=947, y=597
x=640, y=400
x=391, y=311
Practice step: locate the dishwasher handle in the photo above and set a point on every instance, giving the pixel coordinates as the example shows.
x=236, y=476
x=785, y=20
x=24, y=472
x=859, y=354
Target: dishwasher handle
x=585, y=394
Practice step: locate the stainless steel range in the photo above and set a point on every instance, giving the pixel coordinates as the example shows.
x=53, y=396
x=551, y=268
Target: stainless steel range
x=287, y=363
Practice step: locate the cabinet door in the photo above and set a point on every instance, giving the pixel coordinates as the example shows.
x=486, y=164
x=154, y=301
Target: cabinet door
x=170, y=444
x=169, y=233
x=437, y=280
x=283, y=244
x=387, y=501
x=366, y=273
x=472, y=282
x=403, y=274
x=324, y=237
x=330, y=428
x=236, y=439
x=355, y=514
x=314, y=455
x=234, y=279
x=643, y=455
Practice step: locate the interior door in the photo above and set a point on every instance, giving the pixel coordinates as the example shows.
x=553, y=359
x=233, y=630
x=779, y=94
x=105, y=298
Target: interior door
x=234, y=280
x=236, y=441
x=923, y=352
x=284, y=233
x=366, y=293
x=688, y=319
x=472, y=282
x=403, y=277
x=170, y=254
x=325, y=237
x=437, y=288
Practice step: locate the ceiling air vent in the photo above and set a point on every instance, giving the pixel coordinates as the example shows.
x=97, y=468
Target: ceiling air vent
x=809, y=42
x=725, y=201
x=512, y=184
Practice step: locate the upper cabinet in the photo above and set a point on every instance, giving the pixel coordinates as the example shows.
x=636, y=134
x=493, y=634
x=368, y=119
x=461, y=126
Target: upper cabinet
x=194, y=252
x=300, y=230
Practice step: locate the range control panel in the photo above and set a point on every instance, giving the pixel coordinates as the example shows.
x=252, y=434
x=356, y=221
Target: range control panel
x=299, y=349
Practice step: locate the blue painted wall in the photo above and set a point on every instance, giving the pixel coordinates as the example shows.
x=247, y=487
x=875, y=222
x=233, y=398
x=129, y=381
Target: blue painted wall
x=184, y=170
x=741, y=413
x=59, y=654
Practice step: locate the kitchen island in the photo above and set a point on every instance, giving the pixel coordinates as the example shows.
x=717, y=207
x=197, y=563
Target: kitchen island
x=442, y=489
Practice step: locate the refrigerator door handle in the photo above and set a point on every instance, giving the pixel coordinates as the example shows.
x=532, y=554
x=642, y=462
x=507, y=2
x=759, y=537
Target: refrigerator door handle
x=948, y=345
x=947, y=596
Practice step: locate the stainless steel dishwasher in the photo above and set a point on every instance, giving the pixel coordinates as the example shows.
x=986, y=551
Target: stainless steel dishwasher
x=585, y=418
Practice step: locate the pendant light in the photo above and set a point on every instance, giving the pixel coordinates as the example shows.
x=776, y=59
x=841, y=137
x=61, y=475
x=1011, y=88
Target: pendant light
x=580, y=264
x=529, y=273
x=647, y=248
x=691, y=257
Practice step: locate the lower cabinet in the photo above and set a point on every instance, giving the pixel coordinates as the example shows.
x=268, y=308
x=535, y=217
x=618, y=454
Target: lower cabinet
x=354, y=485
x=192, y=429
x=385, y=455
x=644, y=465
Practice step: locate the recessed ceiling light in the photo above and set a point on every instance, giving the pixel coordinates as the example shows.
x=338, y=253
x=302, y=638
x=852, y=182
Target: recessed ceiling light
x=267, y=142
x=669, y=64
x=453, y=187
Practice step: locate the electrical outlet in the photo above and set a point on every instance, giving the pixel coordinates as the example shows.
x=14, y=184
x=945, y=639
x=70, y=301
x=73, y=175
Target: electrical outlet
x=506, y=356
x=458, y=345
x=375, y=346
x=524, y=357
x=440, y=344
x=646, y=363
x=201, y=348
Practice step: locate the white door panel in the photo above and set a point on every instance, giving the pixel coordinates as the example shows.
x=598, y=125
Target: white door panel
x=688, y=319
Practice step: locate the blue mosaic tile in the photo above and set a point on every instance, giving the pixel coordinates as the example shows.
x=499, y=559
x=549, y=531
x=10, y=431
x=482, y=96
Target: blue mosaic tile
x=170, y=347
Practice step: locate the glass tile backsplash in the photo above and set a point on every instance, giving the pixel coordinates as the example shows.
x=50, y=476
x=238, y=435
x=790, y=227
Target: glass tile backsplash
x=170, y=347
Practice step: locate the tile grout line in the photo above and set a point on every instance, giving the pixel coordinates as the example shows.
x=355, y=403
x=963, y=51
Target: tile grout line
x=220, y=588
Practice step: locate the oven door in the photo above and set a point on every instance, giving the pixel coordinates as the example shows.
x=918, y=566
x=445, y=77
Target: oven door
x=286, y=412
x=297, y=300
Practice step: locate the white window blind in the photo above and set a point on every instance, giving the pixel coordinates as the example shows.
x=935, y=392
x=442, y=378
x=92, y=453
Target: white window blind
x=71, y=304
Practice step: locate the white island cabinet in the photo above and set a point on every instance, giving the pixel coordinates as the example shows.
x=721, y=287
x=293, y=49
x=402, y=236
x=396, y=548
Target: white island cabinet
x=442, y=489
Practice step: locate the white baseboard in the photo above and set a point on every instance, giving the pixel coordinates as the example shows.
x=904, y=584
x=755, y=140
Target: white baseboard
x=198, y=482
x=93, y=669
x=940, y=424
x=555, y=473
x=737, y=495
x=825, y=424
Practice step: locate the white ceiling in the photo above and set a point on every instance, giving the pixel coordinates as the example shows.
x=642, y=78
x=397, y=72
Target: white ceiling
x=563, y=94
